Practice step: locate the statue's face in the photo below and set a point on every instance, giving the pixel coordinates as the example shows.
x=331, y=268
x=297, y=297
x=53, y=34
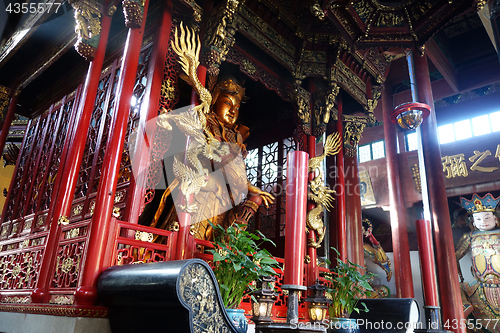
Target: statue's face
x=227, y=108
x=484, y=220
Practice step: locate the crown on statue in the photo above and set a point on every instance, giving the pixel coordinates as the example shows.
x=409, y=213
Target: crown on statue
x=228, y=86
x=477, y=204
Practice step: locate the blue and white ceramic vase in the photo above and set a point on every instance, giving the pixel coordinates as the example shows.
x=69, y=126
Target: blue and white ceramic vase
x=237, y=316
x=343, y=325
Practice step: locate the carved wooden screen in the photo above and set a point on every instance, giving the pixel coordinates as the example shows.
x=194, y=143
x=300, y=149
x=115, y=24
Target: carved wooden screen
x=266, y=167
x=29, y=196
x=93, y=157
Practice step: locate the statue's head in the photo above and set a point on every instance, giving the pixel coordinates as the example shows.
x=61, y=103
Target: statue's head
x=484, y=220
x=226, y=101
x=482, y=210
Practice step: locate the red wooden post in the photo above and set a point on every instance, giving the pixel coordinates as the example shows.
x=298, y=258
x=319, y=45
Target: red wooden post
x=8, y=119
x=295, y=240
x=149, y=110
x=340, y=188
x=353, y=220
x=449, y=286
x=427, y=266
x=66, y=183
x=402, y=264
x=312, y=266
x=295, y=217
x=86, y=293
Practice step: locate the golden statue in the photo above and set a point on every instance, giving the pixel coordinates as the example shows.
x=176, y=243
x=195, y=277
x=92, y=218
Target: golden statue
x=484, y=292
x=213, y=177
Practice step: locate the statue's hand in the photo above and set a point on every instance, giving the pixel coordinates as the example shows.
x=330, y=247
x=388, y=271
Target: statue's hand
x=267, y=198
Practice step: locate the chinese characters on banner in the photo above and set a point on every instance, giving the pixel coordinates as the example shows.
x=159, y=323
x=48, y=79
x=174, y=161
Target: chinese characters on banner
x=481, y=161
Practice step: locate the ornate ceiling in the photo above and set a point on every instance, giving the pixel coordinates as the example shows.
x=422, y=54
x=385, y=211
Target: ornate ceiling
x=376, y=23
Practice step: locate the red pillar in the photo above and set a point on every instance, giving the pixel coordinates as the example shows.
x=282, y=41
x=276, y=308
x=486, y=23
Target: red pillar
x=401, y=248
x=312, y=266
x=353, y=210
x=426, y=254
x=449, y=287
x=340, y=188
x=86, y=293
x=149, y=110
x=70, y=165
x=8, y=119
x=296, y=210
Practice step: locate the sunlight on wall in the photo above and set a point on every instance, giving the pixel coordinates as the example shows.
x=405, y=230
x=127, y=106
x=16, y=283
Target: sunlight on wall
x=5, y=177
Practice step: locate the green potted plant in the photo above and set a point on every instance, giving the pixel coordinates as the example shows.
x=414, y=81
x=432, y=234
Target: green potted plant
x=238, y=262
x=346, y=286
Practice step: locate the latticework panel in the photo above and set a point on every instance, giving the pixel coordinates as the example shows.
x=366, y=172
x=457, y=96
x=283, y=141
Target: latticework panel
x=107, y=116
x=168, y=98
x=68, y=262
x=252, y=164
x=23, y=160
x=269, y=166
x=19, y=270
x=28, y=180
x=133, y=120
x=38, y=164
x=96, y=126
x=53, y=163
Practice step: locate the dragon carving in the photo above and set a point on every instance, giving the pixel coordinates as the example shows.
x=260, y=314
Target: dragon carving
x=318, y=192
x=192, y=176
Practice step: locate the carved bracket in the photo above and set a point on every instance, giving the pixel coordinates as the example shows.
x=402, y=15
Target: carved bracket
x=219, y=37
x=302, y=101
x=88, y=26
x=353, y=131
x=133, y=11
x=324, y=110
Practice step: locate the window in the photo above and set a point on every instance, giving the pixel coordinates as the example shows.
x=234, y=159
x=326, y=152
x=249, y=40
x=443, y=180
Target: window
x=463, y=129
x=266, y=168
x=495, y=121
x=446, y=134
x=411, y=141
x=371, y=151
x=364, y=153
x=468, y=128
x=481, y=125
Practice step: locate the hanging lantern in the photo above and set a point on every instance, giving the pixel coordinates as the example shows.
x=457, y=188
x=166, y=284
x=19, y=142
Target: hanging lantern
x=410, y=115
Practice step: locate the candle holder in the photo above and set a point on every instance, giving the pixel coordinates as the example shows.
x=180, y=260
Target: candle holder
x=318, y=303
x=265, y=297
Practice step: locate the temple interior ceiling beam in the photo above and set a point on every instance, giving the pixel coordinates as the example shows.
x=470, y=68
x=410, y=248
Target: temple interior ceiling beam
x=442, y=64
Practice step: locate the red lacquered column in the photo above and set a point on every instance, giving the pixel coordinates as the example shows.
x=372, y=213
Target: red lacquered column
x=8, y=119
x=295, y=221
x=340, y=188
x=149, y=110
x=427, y=266
x=331, y=179
x=86, y=293
x=353, y=219
x=185, y=241
x=449, y=286
x=312, y=267
x=66, y=183
x=402, y=264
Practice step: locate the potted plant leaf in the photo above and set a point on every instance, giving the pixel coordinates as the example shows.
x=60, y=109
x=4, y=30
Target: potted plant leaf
x=347, y=285
x=238, y=262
